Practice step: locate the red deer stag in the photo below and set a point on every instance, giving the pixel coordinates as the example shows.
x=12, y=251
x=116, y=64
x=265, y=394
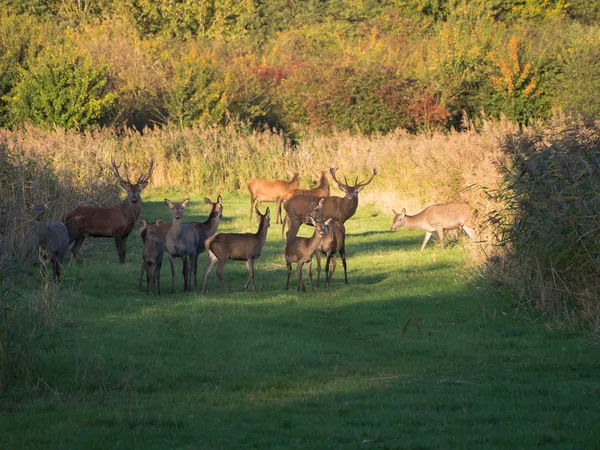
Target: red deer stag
x=334, y=242
x=152, y=256
x=181, y=242
x=271, y=191
x=338, y=208
x=53, y=241
x=239, y=247
x=114, y=221
x=449, y=216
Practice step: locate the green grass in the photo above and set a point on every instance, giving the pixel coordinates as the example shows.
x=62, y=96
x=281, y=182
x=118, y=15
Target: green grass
x=337, y=368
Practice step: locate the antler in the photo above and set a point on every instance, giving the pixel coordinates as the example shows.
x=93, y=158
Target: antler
x=116, y=171
x=147, y=177
x=369, y=180
x=332, y=171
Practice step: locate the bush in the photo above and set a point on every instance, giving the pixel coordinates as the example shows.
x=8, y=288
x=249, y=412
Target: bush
x=550, y=226
x=62, y=89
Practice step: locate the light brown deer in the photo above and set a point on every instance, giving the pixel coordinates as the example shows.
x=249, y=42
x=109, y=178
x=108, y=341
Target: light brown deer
x=238, y=247
x=115, y=221
x=271, y=191
x=334, y=242
x=181, y=242
x=448, y=216
x=300, y=250
x=338, y=208
x=53, y=240
x=152, y=256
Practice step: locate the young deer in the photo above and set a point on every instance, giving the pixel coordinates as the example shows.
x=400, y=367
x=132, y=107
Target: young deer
x=152, y=256
x=334, y=242
x=239, y=247
x=271, y=191
x=301, y=250
x=181, y=242
x=338, y=208
x=448, y=216
x=53, y=240
x=115, y=221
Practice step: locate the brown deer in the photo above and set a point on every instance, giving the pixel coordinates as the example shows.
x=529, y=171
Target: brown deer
x=448, y=216
x=338, y=208
x=300, y=250
x=322, y=190
x=114, y=221
x=239, y=247
x=181, y=242
x=53, y=240
x=152, y=256
x=271, y=191
x=334, y=242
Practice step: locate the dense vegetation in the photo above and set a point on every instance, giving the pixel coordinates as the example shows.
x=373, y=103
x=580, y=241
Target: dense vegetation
x=368, y=66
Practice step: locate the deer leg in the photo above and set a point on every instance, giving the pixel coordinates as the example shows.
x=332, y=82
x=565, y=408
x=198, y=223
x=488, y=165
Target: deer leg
x=470, y=231
x=172, y=273
x=158, y=267
x=283, y=223
x=278, y=208
x=427, y=236
x=121, y=244
x=76, y=246
x=440, y=232
x=196, y=269
x=142, y=275
x=252, y=198
x=343, y=255
x=331, y=269
x=55, y=267
x=250, y=266
x=309, y=268
x=149, y=276
x=222, y=263
x=186, y=273
x=318, y=256
x=301, y=287
x=289, y=272
x=212, y=261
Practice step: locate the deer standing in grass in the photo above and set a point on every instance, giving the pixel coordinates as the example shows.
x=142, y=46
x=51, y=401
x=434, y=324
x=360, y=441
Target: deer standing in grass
x=448, y=216
x=53, y=240
x=238, y=247
x=115, y=221
x=338, y=208
x=205, y=229
x=181, y=242
x=271, y=191
x=300, y=250
x=334, y=242
x=152, y=256
x=321, y=190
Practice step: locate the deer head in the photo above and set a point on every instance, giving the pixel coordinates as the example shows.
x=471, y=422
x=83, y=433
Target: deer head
x=266, y=215
x=351, y=191
x=177, y=208
x=218, y=204
x=399, y=219
x=133, y=189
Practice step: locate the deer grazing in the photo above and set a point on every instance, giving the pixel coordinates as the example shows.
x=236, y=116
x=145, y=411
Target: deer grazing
x=300, y=250
x=334, y=242
x=53, y=240
x=115, y=221
x=271, y=191
x=152, y=256
x=239, y=247
x=338, y=208
x=181, y=242
x=448, y=216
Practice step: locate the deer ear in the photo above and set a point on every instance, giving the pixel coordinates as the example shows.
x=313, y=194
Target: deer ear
x=321, y=201
x=141, y=186
x=207, y=201
x=168, y=202
x=185, y=202
x=125, y=185
x=404, y=211
x=143, y=222
x=158, y=222
x=394, y=211
x=220, y=200
x=267, y=212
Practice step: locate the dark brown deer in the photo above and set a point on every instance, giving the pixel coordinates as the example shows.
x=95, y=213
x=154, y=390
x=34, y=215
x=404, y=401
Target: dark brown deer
x=115, y=221
x=238, y=247
x=338, y=208
x=152, y=256
x=271, y=191
x=181, y=242
x=334, y=242
x=448, y=216
x=53, y=240
x=300, y=250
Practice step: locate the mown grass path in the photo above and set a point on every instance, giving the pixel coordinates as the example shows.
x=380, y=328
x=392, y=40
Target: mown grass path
x=337, y=368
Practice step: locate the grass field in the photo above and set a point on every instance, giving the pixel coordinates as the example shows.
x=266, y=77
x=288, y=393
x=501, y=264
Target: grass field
x=416, y=352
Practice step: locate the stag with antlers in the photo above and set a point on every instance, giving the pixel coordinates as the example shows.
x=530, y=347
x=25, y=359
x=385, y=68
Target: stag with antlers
x=114, y=221
x=298, y=208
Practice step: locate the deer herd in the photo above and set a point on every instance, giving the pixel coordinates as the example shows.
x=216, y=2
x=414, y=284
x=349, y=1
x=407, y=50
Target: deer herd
x=327, y=214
